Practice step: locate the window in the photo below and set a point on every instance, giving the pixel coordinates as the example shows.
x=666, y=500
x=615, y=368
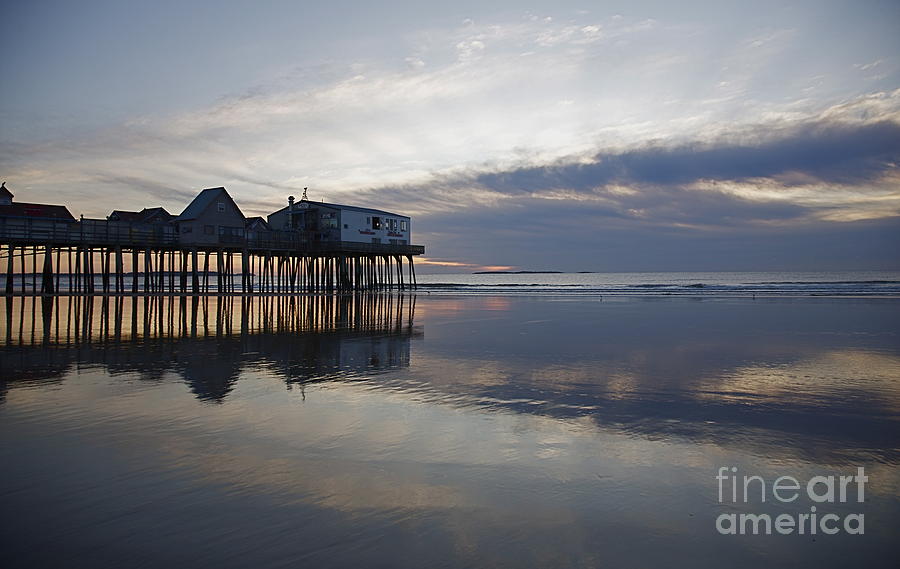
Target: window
x=404, y=225
x=346, y=226
x=209, y=230
x=221, y=206
x=376, y=222
x=186, y=229
x=368, y=221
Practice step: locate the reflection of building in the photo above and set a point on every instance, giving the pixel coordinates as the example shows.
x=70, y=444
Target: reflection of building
x=331, y=355
x=212, y=371
x=206, y=341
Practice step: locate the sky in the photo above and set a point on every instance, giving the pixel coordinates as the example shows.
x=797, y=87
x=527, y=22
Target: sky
x=573, y=136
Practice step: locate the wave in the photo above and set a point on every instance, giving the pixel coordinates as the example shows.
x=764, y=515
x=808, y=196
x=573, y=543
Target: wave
x=769, y=289
x=470, y=285
x=823, y=282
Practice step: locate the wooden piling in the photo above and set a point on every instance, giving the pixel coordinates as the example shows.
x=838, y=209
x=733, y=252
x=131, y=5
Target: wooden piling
x=9, y=269
x=262, y=271
x=134, y=270
x=47, y=277
x=195, y=278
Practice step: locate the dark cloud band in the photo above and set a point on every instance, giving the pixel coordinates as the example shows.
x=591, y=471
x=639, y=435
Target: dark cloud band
x=835, y=153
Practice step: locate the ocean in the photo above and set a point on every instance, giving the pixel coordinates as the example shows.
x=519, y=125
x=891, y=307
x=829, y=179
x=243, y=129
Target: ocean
x=836, y=283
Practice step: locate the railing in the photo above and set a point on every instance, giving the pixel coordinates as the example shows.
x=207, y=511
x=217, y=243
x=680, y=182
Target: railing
x=87, y=232
x=102, y=233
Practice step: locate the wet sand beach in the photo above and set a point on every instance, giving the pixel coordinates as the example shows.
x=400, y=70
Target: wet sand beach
x=443, y=430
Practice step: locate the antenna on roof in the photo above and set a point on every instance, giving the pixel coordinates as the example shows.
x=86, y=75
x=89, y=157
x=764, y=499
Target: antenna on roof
x=304, y=198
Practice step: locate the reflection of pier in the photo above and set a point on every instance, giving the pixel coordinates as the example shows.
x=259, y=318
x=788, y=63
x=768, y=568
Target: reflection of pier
x=208, y=341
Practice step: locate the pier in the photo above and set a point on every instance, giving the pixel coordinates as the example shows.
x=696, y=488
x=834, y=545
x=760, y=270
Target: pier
x=113, y=257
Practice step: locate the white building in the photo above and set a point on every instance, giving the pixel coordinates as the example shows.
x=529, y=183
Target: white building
x=320, y=221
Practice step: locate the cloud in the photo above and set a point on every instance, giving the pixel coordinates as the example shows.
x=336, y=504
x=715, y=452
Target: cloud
x=148, y=188
x=364, y=121
x=824, y=152
x=572, y=236
x=429, y=262
x=628, y=125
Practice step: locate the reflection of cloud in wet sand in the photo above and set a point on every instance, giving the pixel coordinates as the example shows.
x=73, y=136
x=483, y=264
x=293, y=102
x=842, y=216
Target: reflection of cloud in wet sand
x=382, y=454
x=840, y=375
x=743, y=404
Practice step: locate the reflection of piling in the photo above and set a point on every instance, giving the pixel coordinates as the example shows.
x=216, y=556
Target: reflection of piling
x=119, y=269
x=207, y=340
x=77, y=319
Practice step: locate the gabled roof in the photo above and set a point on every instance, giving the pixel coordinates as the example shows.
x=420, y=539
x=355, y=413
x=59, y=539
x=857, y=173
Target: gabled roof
x=257, y=223
x=36, y=211
x=149, y=213
x=146, y=215
x=122, y=215
x=202, y=201
x=345, y=207
x=4, y=192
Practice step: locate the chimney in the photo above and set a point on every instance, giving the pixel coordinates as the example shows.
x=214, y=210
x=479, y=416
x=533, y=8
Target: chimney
x=291, y=202
x=6, y=196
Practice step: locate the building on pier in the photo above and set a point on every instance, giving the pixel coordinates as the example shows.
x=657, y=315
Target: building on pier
x=146, y=215
x=324, y=222
x=257, y=229
x=211, y=218
x=38, y=217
